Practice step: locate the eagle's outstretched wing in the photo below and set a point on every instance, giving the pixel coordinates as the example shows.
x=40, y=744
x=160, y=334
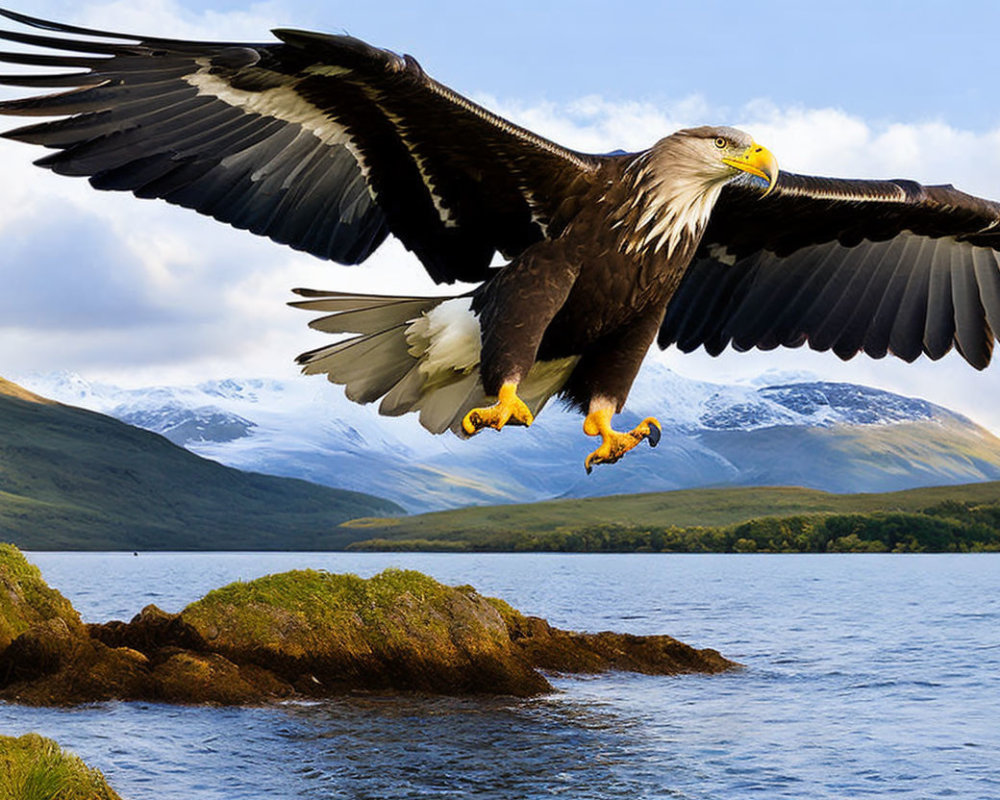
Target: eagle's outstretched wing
x=319, y=142
x=844, y=265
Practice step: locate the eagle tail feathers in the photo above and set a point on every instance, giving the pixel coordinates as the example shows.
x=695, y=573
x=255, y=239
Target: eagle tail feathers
x=416, y=353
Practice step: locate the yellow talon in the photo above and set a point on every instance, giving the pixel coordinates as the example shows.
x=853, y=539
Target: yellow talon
x=508, y=408
x=615, y=444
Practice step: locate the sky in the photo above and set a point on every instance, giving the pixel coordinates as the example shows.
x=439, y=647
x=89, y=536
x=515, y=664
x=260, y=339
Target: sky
x=140, y=293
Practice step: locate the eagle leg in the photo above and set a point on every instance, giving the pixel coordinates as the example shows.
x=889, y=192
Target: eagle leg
x=615, y=444
x=508, y=408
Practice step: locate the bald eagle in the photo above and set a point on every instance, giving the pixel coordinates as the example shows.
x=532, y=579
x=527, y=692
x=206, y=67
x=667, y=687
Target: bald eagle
x=328, y=145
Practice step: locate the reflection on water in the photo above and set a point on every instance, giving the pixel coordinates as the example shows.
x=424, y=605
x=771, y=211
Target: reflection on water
x=866, y=676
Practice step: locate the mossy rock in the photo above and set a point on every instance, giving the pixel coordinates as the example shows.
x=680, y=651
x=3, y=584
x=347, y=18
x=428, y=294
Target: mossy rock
x=150, y=630
x=41, y=650
x=186, y=677
x=555, y=650
x=26, y=600
x=34, y=768
x=93, y=673
x=303, y=632
x=397, y=630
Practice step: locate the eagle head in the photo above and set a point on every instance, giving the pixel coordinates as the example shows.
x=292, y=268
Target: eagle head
x=720, y=154
x=676, y=182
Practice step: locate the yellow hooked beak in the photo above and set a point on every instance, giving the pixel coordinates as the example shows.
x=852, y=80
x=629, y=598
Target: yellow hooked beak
x=757, y=160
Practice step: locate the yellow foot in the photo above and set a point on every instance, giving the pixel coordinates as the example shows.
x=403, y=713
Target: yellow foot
x=508, y=408
x=616, y=444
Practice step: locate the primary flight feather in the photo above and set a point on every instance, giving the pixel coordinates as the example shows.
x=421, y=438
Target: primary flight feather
x=329, y=145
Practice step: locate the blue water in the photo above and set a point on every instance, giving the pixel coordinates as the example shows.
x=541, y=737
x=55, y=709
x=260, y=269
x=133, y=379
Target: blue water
x=867, y=676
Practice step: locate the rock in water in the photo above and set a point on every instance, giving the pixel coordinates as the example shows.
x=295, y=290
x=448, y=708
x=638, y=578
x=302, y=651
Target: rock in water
x=328, y=633
x=26, y=600
x=315, y=634
x=554, y=650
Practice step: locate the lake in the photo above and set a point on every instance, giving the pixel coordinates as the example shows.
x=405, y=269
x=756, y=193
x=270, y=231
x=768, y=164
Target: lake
x=866, y=676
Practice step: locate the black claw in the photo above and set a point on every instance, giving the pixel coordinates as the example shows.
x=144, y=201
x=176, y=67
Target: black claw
x=654, y=434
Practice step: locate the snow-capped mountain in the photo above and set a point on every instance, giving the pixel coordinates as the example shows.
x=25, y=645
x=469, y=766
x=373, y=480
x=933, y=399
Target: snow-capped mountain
x=834, y=436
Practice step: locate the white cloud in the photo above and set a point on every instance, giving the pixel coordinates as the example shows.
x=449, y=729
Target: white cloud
x=221, y=293
x=825, y=141
x=170, y=18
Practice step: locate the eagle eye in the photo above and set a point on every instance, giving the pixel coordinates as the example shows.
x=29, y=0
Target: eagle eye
x=721, y=142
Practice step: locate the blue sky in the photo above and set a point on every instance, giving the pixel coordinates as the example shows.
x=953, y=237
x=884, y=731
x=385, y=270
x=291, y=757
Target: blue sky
x=885, y=60
x=140, y=292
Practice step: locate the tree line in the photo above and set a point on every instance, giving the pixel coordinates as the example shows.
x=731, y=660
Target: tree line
x=948, y=527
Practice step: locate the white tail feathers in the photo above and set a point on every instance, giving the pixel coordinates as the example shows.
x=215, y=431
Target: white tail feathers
x=416, y=353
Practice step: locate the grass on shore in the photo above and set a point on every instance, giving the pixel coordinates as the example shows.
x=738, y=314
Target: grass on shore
x=34, y=768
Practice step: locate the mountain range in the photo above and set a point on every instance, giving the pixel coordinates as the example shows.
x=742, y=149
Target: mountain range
x=831, y=436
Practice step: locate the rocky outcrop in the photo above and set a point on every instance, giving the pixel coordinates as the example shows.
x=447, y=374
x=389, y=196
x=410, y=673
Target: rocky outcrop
x=398, y=630
x=554, y=650
x=26, y=600
x=316, y=634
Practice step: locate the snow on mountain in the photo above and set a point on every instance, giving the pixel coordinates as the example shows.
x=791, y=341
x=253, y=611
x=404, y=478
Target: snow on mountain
x=761, y=432
x=187, y=426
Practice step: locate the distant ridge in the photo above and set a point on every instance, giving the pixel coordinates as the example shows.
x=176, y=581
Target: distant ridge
x=11, y=389
x=780, y=430
x=75, y=479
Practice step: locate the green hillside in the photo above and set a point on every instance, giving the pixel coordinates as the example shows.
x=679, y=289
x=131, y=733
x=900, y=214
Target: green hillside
x=73, y=479
x=700, y=519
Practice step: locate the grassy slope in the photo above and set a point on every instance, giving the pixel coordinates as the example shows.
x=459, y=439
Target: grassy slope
x=686, y=508
x=33, y=768
x=74, y=479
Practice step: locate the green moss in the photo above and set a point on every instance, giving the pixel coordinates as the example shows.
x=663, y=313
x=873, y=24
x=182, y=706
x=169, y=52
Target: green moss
x=307, y=613
x=322, y=593
x=510, y=615
x=25, y=598
x=33, y=768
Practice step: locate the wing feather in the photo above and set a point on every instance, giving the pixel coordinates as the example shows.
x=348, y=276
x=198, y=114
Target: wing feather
x=892, y=284
x=988, y=278
x=909, y=319
x=320, y=142
x=844, y=265
x=707, y=305
x=939, y=327
x=850, y=339
x=832, y=319
x=972, y=333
